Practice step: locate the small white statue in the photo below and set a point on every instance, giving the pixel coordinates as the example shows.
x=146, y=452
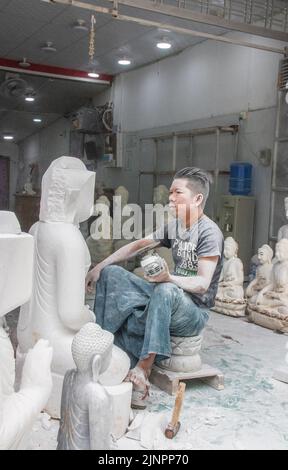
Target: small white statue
x=57, y=310
x=123, y=193
x=86, y=407
x=230, y=295
x=271, y=309
x=28, y=186
x=161, y=195
x=18, y=411
x=283, y=231
x=263, y=274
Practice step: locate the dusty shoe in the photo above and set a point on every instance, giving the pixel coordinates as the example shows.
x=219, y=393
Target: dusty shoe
x=140, y=387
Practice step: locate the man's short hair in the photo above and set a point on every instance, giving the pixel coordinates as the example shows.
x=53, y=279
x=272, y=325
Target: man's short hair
x=198, y=181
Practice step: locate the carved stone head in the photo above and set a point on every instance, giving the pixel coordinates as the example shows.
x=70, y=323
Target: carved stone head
x=281, y=250
x=161, y=195
x=123, y=193
x=67, y=192
x=230, y=248
x=265, y=254
x=90, y=341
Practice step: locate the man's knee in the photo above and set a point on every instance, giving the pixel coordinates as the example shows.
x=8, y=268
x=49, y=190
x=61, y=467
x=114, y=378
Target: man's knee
x=113, y=270
x=167, y=289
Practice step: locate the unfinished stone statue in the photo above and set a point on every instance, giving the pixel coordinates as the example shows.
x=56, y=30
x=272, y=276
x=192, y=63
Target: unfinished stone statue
x=283, y=231
x=271, y=308
x=100, y=241
x=263, y=274
x=18, y=411
x=123, y=193
x=86, y=407
x=230, y=295
x=28, y=186
x=161, y=195
x=56, y=310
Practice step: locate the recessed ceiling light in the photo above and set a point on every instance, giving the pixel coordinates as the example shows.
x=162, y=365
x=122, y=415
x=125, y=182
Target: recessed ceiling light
x=124, y=62
x=80, y=25
x=8, y=137
x=48, y=47
x=93, y=75
x=37, y=120
x=164, y=44
x=24, y=63
x=29, y=98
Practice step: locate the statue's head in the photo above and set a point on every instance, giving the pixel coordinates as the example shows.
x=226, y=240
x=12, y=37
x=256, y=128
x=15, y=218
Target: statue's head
x=161, y=195
x=102, y=200
x=281, y=250
x=230, y=248
x=123, y=193
x=67, y=192
x=265, y=254
x=89, y=342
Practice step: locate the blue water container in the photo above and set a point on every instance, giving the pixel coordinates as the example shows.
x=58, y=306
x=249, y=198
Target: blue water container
x=240, y=179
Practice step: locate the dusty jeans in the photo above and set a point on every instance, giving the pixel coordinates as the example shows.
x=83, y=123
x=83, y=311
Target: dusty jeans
x=142, y=316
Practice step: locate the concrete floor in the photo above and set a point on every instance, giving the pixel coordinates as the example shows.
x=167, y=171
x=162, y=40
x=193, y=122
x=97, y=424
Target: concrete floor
x=252, y=411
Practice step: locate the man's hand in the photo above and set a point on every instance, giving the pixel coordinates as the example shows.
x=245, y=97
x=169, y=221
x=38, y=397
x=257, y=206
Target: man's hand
x=91, y=279
x=164, y=276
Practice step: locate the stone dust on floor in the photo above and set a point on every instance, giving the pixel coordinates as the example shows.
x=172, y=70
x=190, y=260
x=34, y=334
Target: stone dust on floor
x=250, y=413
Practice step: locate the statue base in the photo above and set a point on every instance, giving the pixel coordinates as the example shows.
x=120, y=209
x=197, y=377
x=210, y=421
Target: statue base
x=271, y=320
x=232, y=308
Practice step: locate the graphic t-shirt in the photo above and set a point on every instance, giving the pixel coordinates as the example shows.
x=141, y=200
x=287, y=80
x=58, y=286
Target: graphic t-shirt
x=203, y=239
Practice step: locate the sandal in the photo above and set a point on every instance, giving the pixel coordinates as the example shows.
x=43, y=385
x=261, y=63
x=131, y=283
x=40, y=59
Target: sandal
x=140, y=390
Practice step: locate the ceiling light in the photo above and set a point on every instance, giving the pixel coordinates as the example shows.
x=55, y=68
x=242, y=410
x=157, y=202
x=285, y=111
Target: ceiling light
x=93, y=75
x=24, y=63
x=164, y=44
x=29, y=98
x=48, y=47
x=8, y=137
x=124, y=61
x=80, y=25
x=37, y=120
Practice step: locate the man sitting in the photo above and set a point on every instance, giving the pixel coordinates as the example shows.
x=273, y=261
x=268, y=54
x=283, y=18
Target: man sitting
x=142, y=314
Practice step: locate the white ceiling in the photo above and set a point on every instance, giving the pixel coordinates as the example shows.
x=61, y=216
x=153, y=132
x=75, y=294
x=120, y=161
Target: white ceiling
x=26, y=25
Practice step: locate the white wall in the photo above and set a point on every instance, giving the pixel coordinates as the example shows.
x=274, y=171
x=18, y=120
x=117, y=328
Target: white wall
x=12, y=152
x=43, y=147
x=204, y=85
x=209, y=79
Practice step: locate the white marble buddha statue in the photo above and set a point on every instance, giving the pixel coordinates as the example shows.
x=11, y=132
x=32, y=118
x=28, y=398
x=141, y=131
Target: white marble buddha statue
x=86, y=407
x=19, y=411
x=57, y=309
x=283, y=231
x=263, y=274
x=230, y=295
x=271, y=309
